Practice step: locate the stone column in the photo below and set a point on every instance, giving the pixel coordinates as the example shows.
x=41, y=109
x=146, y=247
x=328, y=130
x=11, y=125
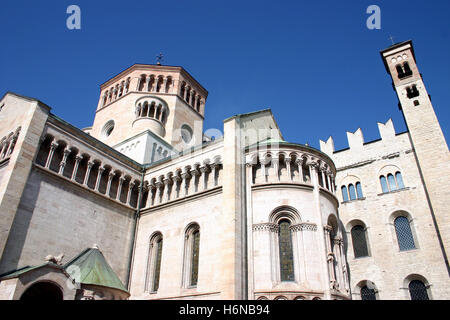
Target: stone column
x=344, y=266
x=338, y=257
x=119, y=188
x=299, y=163
x=330, y=257
x=138, y=83
x=195, y=173
x=88, y=172
x=204, y=174
x=164, y=84
x=78, y=158
x=110, y=177
x=330, y=188
x=195, y=102
x=62, y=165
x=312, y=173
x=276, y=168
x=159, y=191
x=147, y=85
x=287, y=161
x=322, y=172
x=185, y=92
x=53, y=146
x=99, y=177
x=167, y=183
x=149, y=197
x=214, y=168
x=155, y=84
x=185, y=182
x=262, y=174
x=130, y=189
x=249, y=164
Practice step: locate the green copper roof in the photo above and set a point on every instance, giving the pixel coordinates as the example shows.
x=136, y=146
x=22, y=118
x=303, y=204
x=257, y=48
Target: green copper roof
x=18, y=272
x=95, y=270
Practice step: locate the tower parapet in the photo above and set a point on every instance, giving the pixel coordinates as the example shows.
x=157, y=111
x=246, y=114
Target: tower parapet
x=356, y=139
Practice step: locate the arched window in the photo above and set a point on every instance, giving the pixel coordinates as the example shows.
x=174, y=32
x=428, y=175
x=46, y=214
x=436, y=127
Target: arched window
x=194, y=257
x=359, y=190
x=286, y=253
x=188, y=94
x=145, y=109
x=344, y=193
x=404, y=235
x=398, y=177
x=391, y=181
x=368, y=293
x=151, y=112
x=418, y=290
x=359, y=241
x=183, y=90
x=191, y=254
x=408, y=71
x=351, y=191
x=400, y=72
x=154, y=262
x=141, y=83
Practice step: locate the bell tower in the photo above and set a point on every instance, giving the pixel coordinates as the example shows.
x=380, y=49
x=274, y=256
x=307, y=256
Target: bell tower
x=427, y=139
x=149, y=112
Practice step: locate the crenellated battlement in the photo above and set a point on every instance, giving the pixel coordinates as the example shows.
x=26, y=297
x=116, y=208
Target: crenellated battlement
x=356, y=139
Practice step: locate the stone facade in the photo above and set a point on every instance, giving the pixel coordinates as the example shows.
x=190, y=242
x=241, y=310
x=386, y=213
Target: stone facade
x=246, y=216
x=421, y=157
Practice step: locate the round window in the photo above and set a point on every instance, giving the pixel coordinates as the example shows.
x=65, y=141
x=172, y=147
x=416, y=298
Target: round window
x=186, y=133
x=108, y=129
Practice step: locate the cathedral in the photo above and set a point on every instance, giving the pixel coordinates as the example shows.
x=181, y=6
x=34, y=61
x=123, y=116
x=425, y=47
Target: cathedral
x=146, y=205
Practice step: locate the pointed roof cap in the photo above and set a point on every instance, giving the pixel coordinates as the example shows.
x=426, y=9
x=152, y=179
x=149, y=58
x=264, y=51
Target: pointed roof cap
x=95, y=270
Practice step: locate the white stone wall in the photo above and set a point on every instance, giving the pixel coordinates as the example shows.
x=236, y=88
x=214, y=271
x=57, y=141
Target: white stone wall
x=308, y=266
x=2, y=172
x=7, y=289
x=56, y=216
x=388, y=267
x=144, y=149
x=171, y=221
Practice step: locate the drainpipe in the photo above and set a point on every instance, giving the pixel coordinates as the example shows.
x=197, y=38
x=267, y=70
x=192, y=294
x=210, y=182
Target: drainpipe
x=134, y=231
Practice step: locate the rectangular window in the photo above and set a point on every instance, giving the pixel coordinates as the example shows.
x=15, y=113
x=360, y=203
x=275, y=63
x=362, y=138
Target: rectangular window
x=195, y=256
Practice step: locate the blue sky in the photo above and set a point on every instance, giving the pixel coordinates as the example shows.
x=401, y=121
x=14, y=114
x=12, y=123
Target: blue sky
x=314, y=63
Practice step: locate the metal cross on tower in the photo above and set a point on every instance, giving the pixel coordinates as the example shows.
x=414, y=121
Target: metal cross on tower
x=159, y=58
x=392, y=39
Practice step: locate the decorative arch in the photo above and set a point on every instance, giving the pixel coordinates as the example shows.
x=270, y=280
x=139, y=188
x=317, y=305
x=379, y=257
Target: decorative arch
x=43, y=290
x=152, y=107
x=366, y=290
x=285, y=212
x=417, y=287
